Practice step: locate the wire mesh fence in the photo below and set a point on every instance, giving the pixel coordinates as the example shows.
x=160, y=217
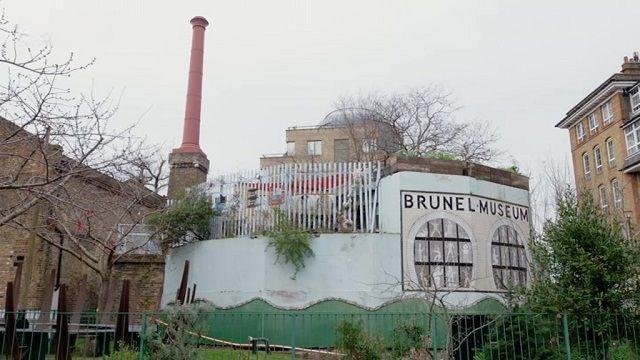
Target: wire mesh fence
x=242, y=335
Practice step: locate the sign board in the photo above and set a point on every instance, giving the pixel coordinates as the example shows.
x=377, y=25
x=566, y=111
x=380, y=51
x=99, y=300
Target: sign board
x=462, y=242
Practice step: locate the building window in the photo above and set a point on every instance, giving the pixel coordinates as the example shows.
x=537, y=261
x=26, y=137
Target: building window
x=586, y=165
x=597, y=156
x=291, y=148
x=634, y=95
x=632, y=134
x=602, y=192
x=369, y=145
x=136, y=239
x=508, y=258
x=314, y=147
x=580, y=131
x=607, y=112
x=442, y=255
x=617, y=194
x=593, y=123
x=611, y=152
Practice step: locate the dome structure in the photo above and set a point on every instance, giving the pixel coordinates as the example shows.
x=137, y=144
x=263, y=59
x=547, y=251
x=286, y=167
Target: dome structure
x=349, y=116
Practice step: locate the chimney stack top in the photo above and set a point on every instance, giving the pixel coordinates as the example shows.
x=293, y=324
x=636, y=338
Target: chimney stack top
x=199, y=21
x=631, y=64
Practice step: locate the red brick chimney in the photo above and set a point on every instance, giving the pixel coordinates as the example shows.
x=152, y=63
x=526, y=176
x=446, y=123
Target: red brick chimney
x=191, y=131
x=189, y=164
x=631, y=65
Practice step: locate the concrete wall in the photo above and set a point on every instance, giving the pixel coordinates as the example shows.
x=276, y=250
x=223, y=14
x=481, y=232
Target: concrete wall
x=363, y=269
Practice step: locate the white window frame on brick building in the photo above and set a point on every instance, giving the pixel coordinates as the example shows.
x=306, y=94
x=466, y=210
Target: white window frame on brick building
x=617, y=194
x=369, y=145
x=607, y=112
x=585, y=164
x=632, y=135
x=580, y=134
x=291, y=148
x=602, y=192
x=593, y=123
x=597, y=156
x=611, y=151
x=634, y=97
x=136, y=239
x=314, y=147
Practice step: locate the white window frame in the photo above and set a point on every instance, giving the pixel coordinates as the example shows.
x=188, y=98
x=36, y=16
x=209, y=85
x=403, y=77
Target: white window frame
x=580, y=133
x=136, y=239
x=314, y=147
x=586, y=165
x=611, y=151
x=602, y=192
x=597, y=158
x=369, y=145
x=291, y=148
x=634, y=97
x=632, y=136
x=607, y=112
x=593, y=123
x=617, y=194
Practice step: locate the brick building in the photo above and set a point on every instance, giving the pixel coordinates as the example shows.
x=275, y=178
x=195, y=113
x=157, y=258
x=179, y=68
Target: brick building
x=79, y=207
x=343, y=136
x=604, y=130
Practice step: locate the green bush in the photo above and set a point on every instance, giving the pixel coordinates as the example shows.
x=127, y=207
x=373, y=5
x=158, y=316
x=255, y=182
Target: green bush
x=172, y=337
x=126, y=352
x=186, y=219
x=291, y=243
x=357, y=343
x=407, y=337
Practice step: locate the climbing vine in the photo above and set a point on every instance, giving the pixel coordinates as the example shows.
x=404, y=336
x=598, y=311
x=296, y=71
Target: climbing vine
x=291, y=243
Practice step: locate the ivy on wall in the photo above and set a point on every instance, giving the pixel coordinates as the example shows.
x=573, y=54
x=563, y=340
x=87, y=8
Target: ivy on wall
x=291, y=243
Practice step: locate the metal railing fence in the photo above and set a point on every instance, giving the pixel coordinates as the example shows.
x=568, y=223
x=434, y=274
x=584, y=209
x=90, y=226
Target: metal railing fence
x=227, y=334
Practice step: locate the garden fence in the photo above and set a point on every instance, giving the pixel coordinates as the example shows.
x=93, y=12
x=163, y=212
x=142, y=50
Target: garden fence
x=227, y=334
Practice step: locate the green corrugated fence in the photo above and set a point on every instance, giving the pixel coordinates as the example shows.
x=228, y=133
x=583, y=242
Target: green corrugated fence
x=222, y=334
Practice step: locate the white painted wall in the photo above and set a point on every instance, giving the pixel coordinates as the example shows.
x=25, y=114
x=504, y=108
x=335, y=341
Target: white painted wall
x=364, y=269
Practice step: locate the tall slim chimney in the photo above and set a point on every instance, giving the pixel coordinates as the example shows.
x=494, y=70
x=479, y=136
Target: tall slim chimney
x=189, y=164
x=191, y=131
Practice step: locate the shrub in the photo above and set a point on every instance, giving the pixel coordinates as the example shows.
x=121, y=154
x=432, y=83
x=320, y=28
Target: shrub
x=407, y=337
x=186, y=219
x=357, y=343
x=172, y=337
x=126, y=352
x=291, y=243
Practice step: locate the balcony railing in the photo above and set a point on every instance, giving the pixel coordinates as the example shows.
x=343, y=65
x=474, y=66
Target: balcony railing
x=323, y=197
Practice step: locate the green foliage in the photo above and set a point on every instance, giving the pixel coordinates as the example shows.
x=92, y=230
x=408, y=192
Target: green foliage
x=174, y=338
x=357, y=343
x=512, y=169
x=407, y=337
x=187, y=219
x=291, y=243
x=583, y=264
x=442, y=155
x=126, y=352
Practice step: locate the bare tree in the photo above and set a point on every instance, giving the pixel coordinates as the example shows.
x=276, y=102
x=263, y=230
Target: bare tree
x=420, y=121
x=67, y=173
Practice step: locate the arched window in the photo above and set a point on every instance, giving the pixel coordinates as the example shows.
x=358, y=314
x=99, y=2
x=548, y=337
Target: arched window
x=443, y=255
x=602, y=193
x=597, y=157
x=508, y=257
x=617, y=194
x=586, y=165
x=611, y=152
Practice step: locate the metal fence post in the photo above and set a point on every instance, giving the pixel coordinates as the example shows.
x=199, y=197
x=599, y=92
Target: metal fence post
x=293, y=336
x=434, y=336
x=565, y=328
x=143, y=335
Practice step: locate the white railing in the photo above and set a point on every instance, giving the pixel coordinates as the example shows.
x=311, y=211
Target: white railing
x=324, y=197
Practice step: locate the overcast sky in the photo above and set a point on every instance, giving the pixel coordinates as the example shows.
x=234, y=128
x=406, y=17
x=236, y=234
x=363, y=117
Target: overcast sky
x=278, y=63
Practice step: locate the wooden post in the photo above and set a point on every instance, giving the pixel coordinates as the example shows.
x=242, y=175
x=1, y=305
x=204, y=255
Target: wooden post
x=122, y=322
x=182, y=291
x=47, y=298
x=11, y=346
x=62, y=326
